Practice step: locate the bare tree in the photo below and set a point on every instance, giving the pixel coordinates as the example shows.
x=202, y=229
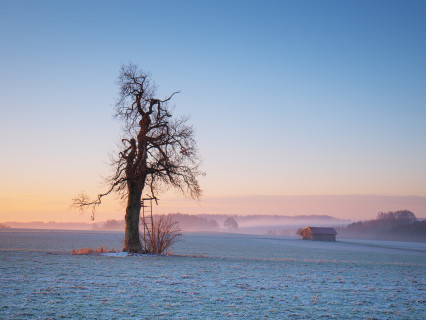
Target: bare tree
x=231, y=224
x=158, y=151
x=159, y=234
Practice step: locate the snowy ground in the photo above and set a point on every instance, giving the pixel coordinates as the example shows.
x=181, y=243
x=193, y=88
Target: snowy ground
x=211, y=276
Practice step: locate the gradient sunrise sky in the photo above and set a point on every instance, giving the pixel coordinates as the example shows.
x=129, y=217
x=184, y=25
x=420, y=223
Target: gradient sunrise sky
x=300, y=107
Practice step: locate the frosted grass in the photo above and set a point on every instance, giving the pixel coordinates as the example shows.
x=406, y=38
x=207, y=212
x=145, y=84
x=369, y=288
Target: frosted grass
x=210, y=276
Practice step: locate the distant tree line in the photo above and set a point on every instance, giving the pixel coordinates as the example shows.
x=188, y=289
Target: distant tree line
x=393, y=225
x=3, y=226
x=190, y=222
x=399, y=217
x=186, y=223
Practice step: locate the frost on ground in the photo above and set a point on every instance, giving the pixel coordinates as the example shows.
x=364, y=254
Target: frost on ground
x=210, y=277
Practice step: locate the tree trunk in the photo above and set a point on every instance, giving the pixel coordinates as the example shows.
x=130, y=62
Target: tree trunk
x=132, y=242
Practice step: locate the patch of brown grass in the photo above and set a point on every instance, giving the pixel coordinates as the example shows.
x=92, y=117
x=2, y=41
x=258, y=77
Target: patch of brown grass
x=88, y=251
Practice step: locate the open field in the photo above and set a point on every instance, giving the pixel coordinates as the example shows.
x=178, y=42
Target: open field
x=211, y=276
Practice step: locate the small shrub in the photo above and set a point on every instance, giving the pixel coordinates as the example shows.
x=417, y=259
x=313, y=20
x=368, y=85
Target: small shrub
x=159, y=234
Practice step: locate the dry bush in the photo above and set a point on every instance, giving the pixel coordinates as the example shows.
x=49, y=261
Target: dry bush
x=98, y=250
x=159, y=234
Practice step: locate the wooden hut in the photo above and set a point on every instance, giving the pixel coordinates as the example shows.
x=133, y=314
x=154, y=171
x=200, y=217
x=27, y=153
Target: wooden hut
x=318, y=234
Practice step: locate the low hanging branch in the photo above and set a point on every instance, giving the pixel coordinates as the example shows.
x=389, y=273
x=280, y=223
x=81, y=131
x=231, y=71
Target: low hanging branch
x=158, y=151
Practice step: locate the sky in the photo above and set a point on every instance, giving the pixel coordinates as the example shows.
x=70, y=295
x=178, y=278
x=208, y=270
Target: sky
x=299, y=107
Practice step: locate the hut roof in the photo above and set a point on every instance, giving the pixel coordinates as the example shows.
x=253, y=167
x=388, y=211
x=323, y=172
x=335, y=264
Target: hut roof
x=320, y=230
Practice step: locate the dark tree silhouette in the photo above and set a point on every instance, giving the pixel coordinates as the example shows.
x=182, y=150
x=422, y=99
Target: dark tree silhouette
x=397, y=216
x=158, y=151
x=230, y=223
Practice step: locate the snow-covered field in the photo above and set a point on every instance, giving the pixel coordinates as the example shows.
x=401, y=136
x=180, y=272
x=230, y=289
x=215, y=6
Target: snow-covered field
x=211, y=276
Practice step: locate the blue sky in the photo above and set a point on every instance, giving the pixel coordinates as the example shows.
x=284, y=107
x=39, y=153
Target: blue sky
x=287, y=97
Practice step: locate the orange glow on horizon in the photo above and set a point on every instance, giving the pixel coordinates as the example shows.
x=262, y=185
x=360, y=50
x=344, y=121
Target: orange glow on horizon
x=33, y=207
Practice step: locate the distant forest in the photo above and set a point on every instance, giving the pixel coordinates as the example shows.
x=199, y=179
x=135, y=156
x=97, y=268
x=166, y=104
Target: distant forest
x=253, y=224
x=186, y=223
x=394, y=225
x=256, y=224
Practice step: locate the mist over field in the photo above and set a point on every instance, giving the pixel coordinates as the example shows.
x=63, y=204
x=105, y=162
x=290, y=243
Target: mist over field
x=413, y=229
x=255, y=224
